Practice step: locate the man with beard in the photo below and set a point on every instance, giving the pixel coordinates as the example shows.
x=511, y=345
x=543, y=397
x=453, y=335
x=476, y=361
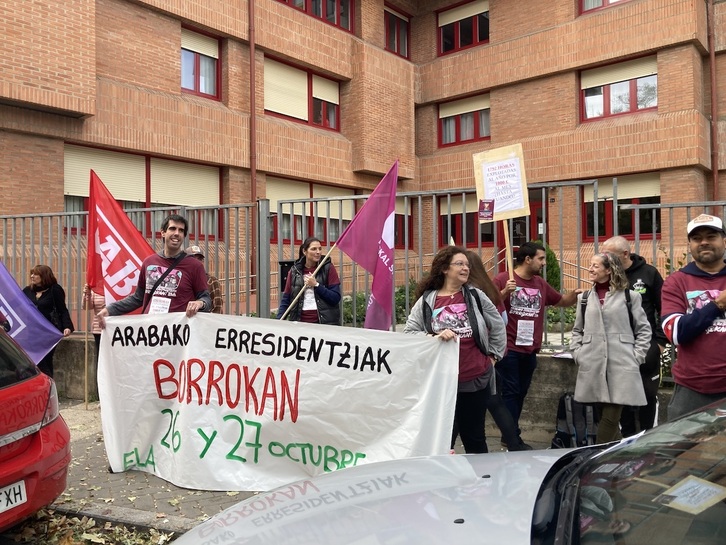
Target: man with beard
x=698, y=331
x=647, y=281
x=184, y=284
x=525, y=299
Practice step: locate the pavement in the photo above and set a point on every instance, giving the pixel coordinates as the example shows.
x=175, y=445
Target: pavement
x=142, y=500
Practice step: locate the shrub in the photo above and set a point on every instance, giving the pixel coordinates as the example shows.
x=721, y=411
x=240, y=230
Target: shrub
x=553, y=267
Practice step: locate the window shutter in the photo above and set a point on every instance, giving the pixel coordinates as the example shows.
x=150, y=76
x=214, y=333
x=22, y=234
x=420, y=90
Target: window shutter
x=463, y=106
x=613, y=73
x=344, y=209
x=472, y=204
x=286, y=90
x=281, y=189
x=394, y=12
x=124, y=174
x=199, y=43
x=462, y=12
x=187, y=184
x=326, y=89
x=629, y=187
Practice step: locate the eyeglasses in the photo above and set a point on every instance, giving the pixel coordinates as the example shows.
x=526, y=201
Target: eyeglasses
x=460, y=264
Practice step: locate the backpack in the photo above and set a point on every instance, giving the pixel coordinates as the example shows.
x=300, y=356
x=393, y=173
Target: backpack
x=576, y=423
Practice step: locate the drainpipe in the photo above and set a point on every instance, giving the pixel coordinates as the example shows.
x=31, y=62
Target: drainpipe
x=714, y=103
x=252, y=252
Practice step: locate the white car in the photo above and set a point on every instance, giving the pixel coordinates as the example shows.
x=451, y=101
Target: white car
x=667, y=486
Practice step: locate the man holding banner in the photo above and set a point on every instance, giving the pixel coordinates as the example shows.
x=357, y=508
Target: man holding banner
x=174, y=284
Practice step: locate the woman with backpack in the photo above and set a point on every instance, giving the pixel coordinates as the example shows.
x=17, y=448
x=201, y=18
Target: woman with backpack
x=610, y=339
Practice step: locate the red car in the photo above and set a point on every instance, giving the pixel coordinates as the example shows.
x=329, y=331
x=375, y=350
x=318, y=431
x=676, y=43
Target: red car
x=35, y=442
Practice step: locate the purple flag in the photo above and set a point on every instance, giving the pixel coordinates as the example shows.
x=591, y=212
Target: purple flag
x=368, y=241
x=36, y=335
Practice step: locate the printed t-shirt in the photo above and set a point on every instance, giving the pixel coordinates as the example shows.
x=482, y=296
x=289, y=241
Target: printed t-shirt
x=526, y=311
x=178, y=288
x=450, y=313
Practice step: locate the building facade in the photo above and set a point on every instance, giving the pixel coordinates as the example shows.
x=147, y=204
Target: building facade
x=211, y=102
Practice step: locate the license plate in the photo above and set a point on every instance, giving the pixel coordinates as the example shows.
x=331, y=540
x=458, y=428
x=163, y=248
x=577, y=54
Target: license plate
x=12, y=496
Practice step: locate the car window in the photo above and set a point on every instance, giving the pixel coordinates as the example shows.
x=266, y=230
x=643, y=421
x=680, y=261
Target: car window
x=666, y=487
x=15, y=366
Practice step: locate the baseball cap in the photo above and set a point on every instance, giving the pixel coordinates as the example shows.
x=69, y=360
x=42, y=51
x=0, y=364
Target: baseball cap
x=705, y=220
x=194, y=250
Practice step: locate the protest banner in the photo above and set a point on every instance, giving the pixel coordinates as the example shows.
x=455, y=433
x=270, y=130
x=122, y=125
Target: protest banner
x=28, y=327
x=500, y=177
x=237, y=403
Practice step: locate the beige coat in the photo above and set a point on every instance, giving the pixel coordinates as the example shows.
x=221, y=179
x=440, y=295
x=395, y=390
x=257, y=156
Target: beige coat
x=608, y=352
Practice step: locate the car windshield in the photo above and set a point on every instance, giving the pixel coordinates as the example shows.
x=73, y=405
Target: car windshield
x=667, y=486
x=15, y=366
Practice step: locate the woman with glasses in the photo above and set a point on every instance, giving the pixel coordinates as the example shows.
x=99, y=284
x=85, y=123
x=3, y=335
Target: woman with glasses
x=320, y=299
x=50, y=299
x=453, y=310
x=610, y=339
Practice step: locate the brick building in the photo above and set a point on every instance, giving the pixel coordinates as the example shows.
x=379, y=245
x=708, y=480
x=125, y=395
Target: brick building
x=187, y=102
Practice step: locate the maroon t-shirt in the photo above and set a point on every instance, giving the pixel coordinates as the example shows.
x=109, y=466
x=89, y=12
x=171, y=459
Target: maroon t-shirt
x=180, y=286
x=526, y=311
x=450, y=313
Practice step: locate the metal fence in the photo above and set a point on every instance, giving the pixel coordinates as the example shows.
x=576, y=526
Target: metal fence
x=252, y=275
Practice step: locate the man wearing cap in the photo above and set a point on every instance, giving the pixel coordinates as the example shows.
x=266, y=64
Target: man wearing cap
x=215, y=290
x=693, y=305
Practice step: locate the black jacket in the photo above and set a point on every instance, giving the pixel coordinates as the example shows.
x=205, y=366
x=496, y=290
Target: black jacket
x=327, y=298
x=647, y=281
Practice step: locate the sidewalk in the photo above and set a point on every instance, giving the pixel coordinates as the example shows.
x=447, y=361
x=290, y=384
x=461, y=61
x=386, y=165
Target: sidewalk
x=141, y=499
x=133, y=497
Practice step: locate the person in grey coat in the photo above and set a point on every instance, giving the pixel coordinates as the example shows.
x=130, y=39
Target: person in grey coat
x=607, y=350
x=451, y=309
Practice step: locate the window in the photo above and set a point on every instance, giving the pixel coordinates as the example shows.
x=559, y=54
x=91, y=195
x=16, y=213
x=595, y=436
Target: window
x=460, y=221
x=326, y=218
x=642, y=189
x=199, y=64
x=140, y=182
x=334, y=12
x=397, y=32
x=402, y=222
x=619, y=89
x=588, y=5
x=301, y=95
x=465, y=120
x=463, y=27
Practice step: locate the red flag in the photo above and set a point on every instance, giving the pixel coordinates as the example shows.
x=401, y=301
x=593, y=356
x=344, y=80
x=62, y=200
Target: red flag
x=368, y=240
x=116, y=249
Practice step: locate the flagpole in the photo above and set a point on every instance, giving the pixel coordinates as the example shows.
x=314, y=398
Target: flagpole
x=85, y=374
x=322, y=262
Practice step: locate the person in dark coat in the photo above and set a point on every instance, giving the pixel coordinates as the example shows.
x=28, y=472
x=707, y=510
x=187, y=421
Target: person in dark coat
x=50, y=299
x=606, y=348
x=320, y=300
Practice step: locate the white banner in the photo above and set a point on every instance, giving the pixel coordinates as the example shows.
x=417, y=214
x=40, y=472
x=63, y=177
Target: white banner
x=220, y=402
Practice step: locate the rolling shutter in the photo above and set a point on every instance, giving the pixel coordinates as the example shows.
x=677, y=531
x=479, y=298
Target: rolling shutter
x=286, y=90
x=199, y=43
x=463, y=106
x=344, y=209
x=629, y=187
x=326, y=89
x=462, y=12
x=613, y=73
x=187, y=184
x=124, y=174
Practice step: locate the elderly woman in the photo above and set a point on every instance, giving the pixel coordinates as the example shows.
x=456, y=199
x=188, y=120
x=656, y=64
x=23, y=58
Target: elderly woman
x=453, y=310
x=609, y=342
